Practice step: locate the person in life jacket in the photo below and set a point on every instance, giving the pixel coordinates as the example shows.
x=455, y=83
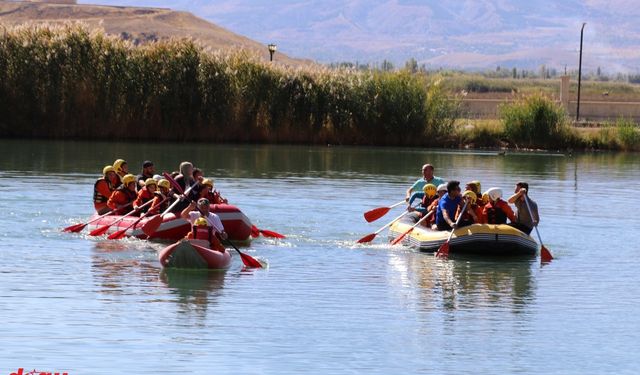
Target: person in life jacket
x=208, y=191
x=426, y=196
x=184, y=180
x=473, y=214
x=201, y=209
x=442, y=190
x=122, y=169
x=122, y=198
x=497, y=211
x=202, y=234
x=164, y=190
x=146, y=194
x=103, y=188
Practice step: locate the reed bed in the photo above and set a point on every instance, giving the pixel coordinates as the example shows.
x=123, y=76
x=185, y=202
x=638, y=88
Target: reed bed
x=70, y=81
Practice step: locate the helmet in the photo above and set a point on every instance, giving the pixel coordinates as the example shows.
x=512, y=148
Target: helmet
x=127, y=179
x=117, y=165
x=203, y=202
x=494, y=193
x=164, y=183
x=150, y=181
x=107, y=169
x=472, y=196
x=157, y=177
x=442, y=187
x=201, y=222
x=477, y=183
x=430, y=190
x=485, y=198
x=207, y=182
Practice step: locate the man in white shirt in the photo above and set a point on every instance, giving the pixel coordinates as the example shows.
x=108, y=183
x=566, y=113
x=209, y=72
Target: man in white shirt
x=201, y=209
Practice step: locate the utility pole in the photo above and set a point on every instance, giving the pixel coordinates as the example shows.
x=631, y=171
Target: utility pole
x=580, y=72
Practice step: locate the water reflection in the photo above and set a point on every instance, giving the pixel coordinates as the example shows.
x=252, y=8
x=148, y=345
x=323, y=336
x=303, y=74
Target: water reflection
x=118, y=269
x=467, y=283
x=196, y=290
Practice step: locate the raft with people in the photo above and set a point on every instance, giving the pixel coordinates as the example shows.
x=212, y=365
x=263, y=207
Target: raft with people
x=166, y=207
x=448, y=220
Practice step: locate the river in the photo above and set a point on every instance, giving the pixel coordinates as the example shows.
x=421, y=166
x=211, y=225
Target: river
x=324, y=305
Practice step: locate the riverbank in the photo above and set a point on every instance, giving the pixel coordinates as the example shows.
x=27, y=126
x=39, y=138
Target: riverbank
x=71, y=82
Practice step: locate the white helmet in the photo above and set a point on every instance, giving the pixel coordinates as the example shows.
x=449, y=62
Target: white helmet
x=442, y=187
x=494, y=193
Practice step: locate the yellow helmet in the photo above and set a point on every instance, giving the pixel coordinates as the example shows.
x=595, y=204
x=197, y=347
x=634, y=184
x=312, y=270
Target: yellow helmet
x=477, y=183
x=207, y=182
x=150, y=181
x=117, y=165
x=107, y=169
x=128, y=178
x=201, y=222
x=164, y=183
x=430, y=190
x=485, y=197
x=472, y=196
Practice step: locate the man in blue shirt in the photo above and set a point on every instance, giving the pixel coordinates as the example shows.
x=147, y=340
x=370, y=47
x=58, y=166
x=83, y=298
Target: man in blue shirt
x=427, y=178
x=447, y=206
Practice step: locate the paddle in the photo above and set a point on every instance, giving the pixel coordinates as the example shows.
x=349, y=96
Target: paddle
x=403, y=235
x=246, y=259
x=377, y=213
x=264, y=232
x=152, y=225
x=545, y=254
x=370, y=237
x=102, y=230
x=75, y=228
x=443, y=251
x=121, y=233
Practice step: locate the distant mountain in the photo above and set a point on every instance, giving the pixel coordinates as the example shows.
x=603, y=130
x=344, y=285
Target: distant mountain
x=135, y=23
x=461, y=33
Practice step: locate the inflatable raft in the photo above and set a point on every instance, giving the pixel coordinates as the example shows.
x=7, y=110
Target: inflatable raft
x=189, y=254
x=476, y=239
x=236, y=224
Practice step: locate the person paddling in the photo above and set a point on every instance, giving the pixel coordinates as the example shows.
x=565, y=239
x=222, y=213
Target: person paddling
x=190, y=213
x=122, y=169
x=208, y=191
x=103, y=188
x=203, y=234
x=524, y=220
x=146, y=194
x=473, y=213
x=124, y=195
x=497, y=211
x=159, y=203
x=447, y=206
x=427, y=178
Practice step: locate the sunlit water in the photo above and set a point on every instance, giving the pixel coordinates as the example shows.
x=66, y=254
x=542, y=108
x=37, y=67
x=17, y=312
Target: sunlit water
x=324, y=306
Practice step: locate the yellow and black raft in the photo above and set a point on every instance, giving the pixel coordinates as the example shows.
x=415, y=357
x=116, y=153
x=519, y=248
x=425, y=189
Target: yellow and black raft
x=475, y=239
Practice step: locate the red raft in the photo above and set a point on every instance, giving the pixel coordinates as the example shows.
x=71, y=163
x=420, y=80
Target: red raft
x=189, y=254
x=236, y=224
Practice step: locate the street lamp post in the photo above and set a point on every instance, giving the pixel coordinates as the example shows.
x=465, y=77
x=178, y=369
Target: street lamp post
x=580, y=72
x=272, y=49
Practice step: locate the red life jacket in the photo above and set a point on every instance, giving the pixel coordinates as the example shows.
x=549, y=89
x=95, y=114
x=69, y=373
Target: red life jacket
x=202, y=233
x=494, y=214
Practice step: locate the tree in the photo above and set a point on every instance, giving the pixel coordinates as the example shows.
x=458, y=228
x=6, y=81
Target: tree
x=514, y=73
x=387, y=66
x=411, y=65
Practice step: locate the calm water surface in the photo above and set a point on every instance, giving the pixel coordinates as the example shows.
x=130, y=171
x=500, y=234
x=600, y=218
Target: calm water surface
x=324, y=306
